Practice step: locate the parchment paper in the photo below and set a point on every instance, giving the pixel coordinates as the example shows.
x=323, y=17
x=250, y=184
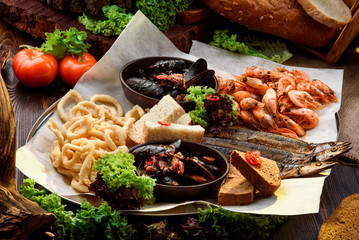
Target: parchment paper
x=141, y=38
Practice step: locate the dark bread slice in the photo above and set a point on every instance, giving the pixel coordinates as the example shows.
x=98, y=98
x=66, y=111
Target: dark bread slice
x=237, y=190
x=265, y=178
x=343, y=223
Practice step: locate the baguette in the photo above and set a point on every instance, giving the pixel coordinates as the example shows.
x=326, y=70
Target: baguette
x=237, y=190
x=153, y=131
x=285, y=19
x=343, y=223
x=167, y=109
x=265, y=178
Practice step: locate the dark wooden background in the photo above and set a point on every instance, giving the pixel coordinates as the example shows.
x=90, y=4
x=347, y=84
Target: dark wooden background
x=29, y=104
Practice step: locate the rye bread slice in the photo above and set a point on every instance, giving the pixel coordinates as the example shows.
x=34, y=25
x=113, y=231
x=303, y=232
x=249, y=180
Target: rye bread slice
x=237, y=190
x=332, y=13
x=343, y=223
x=265, y=178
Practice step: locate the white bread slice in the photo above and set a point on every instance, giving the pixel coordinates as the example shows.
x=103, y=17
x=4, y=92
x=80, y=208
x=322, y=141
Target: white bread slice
x=265, y=178
x=185, y=119
x=237, y=190
x=167, y=109
x=332, y=13
x=153, y=131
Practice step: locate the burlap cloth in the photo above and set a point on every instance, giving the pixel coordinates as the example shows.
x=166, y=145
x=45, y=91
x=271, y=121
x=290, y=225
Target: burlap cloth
x=349, y=111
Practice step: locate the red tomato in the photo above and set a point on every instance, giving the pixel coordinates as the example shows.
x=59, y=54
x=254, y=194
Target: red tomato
x=71, y=68
x=35, y=69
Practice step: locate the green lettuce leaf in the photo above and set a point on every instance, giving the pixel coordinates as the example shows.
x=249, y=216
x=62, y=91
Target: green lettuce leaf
x=87, y=223
x=118, y=170
x=114, y=20
x=272, y=50
x=197, y=94
x=162, y=13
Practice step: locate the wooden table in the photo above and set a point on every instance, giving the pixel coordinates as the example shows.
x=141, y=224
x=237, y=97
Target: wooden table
x=29, y=104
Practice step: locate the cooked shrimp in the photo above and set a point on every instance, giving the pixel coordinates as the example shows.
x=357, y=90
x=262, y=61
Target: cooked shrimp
x=249, y=103
x=258, y=72
x=300, y=76
x=249, y=120
x=284, y=103
x=286, y=122
x=240, y=95
x=265, y=120
x=305, y=117
x=258, y=86
x=303, y=99
x=285, y=84
x=285, y=132
x=270, y=102
x=325, y=89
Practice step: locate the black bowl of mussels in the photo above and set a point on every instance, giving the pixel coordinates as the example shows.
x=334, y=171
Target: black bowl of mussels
x=183, y=170
x=146, y=80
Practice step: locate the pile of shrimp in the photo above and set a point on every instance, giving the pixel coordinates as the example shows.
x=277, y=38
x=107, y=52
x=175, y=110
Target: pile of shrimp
x=279, y=101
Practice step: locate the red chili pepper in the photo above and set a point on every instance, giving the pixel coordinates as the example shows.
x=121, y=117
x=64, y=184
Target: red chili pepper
x=163, y=77
x=253, y=158
x=164, y=123
x=212, y=98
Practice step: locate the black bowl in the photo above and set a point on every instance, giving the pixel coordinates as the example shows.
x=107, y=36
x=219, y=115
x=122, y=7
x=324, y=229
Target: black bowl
x=131, y=69
x=169, y=193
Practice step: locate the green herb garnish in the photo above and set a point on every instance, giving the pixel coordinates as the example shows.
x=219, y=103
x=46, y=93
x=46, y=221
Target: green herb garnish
x=233, y=225
x=162, y=13
x=114, y=20
x=87, y=223
x=272, y=50
x=198, y=94
x=118, y=170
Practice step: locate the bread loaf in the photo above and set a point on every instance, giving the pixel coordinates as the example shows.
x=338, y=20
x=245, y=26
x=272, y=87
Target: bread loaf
x=153, y=131
x=265, y=177
x=237, y=190
x=343, y=223
x=167, y=109
x=285, y=19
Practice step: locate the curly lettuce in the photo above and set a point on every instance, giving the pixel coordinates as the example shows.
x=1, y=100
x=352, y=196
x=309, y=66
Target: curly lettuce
x=271, y=50
x=233, y=225
x=162, y=13
x=118, y=170
x=115, y=19
x=87, y=223
x=198, y=94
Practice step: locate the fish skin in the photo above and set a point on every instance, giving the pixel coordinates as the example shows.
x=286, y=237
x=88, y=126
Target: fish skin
x=277, y=141
x=228, y=145
x=305, y=170
x=301, y=166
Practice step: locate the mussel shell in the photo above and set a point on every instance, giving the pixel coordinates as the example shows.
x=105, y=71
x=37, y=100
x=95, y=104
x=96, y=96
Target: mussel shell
x=196, y=68
x=168, y=66
x=145, y=86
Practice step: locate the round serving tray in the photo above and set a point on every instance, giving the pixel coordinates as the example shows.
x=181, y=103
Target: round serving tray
x=185, y=208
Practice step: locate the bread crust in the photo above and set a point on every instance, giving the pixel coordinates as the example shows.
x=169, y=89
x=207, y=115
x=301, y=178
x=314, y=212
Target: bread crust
x=340, y=12
x=343, y=223
x=237, y=190
x=285, y=19
x=265, y=178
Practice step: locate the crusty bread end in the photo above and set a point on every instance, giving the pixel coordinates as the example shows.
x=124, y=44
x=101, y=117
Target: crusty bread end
x=265, y=178
x=237, y=190
x=343, y=223
x=332, y=13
